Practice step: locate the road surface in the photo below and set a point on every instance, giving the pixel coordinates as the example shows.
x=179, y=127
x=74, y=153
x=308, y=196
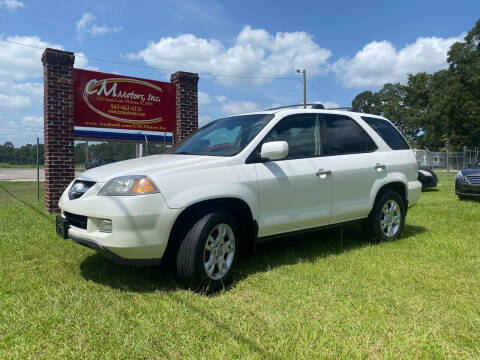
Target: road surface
x=19, y=174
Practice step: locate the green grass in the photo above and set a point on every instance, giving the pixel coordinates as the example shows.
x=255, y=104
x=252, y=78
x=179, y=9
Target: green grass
x=307, y=297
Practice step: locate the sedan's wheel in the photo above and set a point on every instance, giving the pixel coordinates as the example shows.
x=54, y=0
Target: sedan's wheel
x=208, y=253
x=387, y=218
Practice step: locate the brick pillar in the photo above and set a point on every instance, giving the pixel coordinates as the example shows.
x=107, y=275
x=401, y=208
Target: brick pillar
x=187, y=103
x=58, y=122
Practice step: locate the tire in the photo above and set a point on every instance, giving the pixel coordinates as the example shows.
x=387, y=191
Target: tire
x=208, y=253
x=386, y=221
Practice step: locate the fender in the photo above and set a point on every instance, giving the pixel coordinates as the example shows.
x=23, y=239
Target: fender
x=197, y=194
x=389, y=178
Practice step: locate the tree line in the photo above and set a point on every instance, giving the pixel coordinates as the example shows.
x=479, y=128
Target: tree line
x=98, y=153
x=439, y=111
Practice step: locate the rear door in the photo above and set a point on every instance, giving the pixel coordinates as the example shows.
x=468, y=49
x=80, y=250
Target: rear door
x=293, y=194
x=355, y=166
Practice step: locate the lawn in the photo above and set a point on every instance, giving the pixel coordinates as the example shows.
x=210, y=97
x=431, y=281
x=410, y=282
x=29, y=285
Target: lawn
x=307, y=297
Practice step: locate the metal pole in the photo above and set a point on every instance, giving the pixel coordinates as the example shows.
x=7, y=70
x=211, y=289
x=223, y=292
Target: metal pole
x=38, y=170
x=146, y=144
x=164, y=142
x=86, y=154
x=304, y=74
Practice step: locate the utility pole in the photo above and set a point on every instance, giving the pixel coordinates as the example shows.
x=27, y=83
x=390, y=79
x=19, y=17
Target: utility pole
x=304, y=75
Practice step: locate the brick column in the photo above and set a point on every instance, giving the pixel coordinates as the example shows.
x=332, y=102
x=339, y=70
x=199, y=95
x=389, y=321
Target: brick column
x=187, y=103
x=58, y=122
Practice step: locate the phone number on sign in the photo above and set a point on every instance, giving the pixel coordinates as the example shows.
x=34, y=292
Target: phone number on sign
x=130, y=108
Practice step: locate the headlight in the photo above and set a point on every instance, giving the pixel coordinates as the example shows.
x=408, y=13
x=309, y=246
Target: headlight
x=128, y=185
x=460, y=176
x=424, y=172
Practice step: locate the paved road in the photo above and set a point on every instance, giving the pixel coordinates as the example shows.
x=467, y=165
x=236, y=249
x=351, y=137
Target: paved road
x=22, y=174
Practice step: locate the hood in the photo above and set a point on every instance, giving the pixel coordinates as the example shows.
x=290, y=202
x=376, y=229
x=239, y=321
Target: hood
x=152, y=166
x=470, y=171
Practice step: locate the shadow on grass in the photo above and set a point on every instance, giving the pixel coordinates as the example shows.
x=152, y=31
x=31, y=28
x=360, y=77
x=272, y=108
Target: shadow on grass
x=288, y=250
x=432, y=189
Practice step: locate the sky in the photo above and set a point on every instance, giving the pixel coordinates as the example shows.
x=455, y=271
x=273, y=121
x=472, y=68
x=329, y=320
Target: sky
x=246, y=52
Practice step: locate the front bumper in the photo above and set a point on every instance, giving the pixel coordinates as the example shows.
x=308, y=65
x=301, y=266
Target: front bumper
x=465, y=189
x=140, y=225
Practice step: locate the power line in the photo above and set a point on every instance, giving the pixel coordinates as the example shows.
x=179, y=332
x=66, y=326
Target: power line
x=320, y=92
x=159, y=68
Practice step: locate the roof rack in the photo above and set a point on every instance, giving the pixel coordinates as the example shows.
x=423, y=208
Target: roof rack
x=345, y=108
x=309, y=106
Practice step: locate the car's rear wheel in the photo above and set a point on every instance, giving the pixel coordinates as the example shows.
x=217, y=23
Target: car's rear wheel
x=387, y=219
x=208, y=253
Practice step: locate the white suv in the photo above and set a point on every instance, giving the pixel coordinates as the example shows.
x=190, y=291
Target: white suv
x=241, y=180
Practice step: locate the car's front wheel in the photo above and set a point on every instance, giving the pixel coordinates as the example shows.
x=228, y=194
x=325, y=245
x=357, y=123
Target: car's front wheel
x=208, y=252
x=387, y=219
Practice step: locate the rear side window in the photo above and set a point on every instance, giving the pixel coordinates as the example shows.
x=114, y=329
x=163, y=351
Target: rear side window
x=345, y=136
x=387, y=132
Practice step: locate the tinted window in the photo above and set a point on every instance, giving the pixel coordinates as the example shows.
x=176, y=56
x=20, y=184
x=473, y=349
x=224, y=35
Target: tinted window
x=301, y=133
x=345, y=136
x=387, y=132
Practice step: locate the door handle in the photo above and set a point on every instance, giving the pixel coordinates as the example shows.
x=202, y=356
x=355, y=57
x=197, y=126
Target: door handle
x=380, y=167
x=323, y=173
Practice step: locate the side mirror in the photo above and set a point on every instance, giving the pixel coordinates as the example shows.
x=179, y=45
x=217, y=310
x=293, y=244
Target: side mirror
x=274, y=150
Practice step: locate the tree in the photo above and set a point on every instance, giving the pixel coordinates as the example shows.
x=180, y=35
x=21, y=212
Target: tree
x=366, y=102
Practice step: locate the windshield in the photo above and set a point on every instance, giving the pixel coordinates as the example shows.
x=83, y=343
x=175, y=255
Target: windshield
x=224, y=137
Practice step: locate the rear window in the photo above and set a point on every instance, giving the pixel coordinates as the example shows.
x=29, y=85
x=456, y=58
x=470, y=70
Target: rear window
x=387, y=132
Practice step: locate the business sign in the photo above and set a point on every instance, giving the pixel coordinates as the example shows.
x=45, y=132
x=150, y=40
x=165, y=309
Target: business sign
x=120, y=102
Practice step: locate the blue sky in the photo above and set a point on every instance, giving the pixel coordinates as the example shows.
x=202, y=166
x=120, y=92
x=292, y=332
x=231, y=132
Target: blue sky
x=346, y=47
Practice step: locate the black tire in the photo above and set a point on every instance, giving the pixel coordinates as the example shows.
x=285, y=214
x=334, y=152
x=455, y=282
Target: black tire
x=373, y=224
x=190, y=260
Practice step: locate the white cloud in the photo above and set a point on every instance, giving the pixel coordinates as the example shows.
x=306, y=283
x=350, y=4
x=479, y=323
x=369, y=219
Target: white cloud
x=220, y=98
x=203, y=98
x=11, y=5
x=240, y=107
x=32, y=121
x=326, y=104
x=20, y=62
x=34, y=89
x=380, y=62
x=86, y=26
x=81, y=62
x=14, y=101
x=255, y=52
x=330, y=104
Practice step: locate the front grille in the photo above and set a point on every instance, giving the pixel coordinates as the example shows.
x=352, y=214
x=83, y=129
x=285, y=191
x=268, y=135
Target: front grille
x=79, y=188
x=474, y=179
x=79, y=221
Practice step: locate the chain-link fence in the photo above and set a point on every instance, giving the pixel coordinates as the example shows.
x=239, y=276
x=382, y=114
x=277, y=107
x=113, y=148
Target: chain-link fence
x=90, y=154
x=447, y=160
x=22, y=170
